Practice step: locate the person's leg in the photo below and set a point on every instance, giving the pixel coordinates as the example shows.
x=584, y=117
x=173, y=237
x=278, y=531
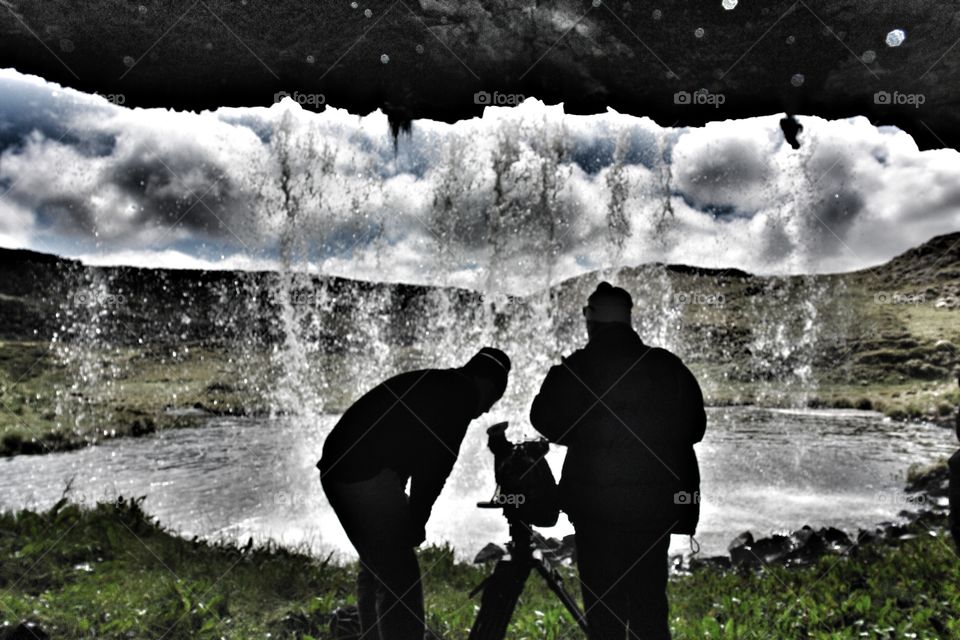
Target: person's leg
x=605, y=598
x=367, y=588
x=376, y=517
x=400, y=612
x=647, y=584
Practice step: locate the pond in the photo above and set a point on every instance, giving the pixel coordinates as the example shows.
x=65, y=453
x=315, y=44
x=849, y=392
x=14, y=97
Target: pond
x=763, y=469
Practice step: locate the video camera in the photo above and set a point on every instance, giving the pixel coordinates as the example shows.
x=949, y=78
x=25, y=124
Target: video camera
x=526, y=489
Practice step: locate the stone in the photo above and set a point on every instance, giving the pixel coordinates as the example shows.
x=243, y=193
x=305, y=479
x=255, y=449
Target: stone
x=490, y=553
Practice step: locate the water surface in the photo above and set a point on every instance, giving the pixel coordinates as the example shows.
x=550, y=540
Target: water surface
x=764, y=470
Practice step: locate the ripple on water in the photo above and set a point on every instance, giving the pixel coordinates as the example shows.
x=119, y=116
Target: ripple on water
x=234, y=478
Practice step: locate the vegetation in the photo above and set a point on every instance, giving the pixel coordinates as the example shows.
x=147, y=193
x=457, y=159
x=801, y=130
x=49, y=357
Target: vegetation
x=111, y=572
x=134, y=392
x=91, y=353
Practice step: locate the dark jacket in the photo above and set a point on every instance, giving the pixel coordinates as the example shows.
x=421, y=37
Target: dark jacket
x=412, y=423
x=629, y=415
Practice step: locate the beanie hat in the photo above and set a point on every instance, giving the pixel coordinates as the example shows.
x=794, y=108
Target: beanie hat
x=609, y=304
x=491, y=364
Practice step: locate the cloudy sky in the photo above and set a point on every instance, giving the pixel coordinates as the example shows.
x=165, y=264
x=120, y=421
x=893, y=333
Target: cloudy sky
x=513, y=200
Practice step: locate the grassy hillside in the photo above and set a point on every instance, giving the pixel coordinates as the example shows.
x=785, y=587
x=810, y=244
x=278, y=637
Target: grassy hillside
x=89, y=353
x=110, y=572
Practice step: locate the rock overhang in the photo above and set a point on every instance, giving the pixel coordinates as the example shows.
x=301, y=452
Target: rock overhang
x=679, y=63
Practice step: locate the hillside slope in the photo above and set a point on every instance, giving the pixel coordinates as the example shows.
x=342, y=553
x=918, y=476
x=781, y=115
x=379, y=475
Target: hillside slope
x=92, y=352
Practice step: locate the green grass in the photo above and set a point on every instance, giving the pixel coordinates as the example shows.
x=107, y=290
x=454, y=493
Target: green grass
x=111, y=572
x=48, y=402
x=900, y=359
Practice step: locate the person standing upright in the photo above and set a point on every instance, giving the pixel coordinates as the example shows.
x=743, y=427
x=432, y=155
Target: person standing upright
x=629, y=415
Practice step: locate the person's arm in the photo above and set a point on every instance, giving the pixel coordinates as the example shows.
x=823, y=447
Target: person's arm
x=426, y=483
x=560, y=405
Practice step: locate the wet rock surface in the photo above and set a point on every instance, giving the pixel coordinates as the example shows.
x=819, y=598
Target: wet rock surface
x=926, y=491
x=551, y=549
x=802, y=547
x=891, y=62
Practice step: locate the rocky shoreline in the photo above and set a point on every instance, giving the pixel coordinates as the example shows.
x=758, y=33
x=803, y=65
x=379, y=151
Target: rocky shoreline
x=926, y=489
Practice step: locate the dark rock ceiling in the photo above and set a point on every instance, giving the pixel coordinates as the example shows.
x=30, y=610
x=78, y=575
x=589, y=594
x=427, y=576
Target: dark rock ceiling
x=429, y=58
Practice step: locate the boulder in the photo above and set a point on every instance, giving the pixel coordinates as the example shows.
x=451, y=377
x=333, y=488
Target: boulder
x=714, y=562
x=808, y=546
x=345, y=623
x=490, y=553
x=745, y=538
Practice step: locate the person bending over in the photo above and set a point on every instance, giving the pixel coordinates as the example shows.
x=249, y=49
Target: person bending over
x=408, y=427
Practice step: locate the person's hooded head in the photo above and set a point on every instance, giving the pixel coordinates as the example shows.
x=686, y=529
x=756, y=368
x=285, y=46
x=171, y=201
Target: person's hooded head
x=488, y=369
x=607, y=305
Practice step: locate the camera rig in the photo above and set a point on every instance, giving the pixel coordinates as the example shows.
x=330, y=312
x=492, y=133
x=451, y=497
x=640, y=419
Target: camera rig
x=528, y=495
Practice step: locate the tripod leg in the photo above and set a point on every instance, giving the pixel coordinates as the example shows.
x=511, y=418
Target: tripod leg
x=555, y=582
x=500, y=594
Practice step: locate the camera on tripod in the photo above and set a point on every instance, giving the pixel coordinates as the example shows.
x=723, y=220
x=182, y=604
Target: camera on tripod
x=526, y=489
x=528, y=495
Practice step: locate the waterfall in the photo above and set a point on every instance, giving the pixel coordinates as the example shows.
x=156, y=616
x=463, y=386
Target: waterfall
x=303, y=342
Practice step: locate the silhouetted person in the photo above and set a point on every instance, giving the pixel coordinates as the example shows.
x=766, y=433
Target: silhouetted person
x=408, y=427
x=629, y=415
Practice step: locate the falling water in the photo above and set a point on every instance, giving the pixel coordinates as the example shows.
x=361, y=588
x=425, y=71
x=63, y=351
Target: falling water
x=326, y=339
x=306, y=343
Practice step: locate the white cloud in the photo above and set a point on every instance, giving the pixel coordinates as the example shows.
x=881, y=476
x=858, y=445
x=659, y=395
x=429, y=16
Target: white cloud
x=155, y=187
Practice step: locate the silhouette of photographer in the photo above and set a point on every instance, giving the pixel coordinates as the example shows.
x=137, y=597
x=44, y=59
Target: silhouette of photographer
x=407, y=428
x=629, y=415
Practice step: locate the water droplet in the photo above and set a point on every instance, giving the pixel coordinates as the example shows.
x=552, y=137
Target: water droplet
x=129, y=61
x=797, y=79
x=597, y=3
x=384, y=58
x=368, y=13
x=730, y=4
x=208, y=46
x=143, y=10
x=311, y=59
x=657, y=14
x=791, y=39
x=699, y=32
x=896, y=37
x=869, y=56
x=66, y=45
x=419, y=48
x=354, y=5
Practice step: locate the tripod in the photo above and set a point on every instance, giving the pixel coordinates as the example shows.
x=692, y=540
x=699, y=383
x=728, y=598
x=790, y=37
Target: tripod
x=502, y=588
